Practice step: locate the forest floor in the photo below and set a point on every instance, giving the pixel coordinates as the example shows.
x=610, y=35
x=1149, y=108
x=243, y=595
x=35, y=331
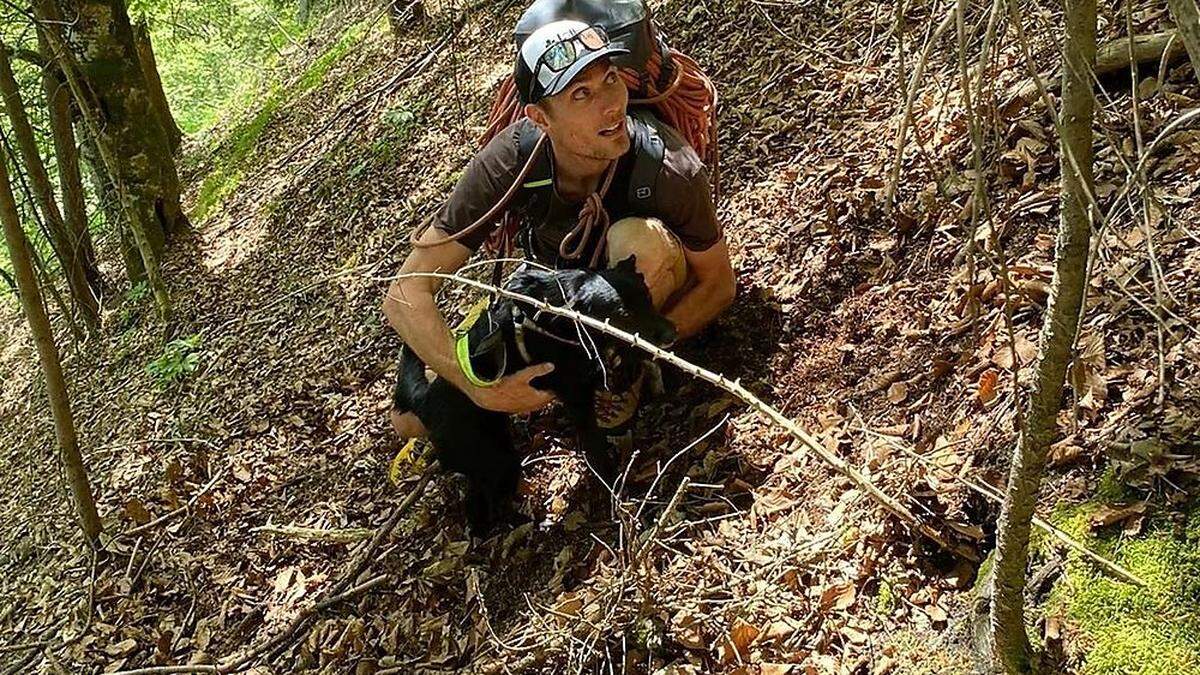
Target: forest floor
x=854, y=322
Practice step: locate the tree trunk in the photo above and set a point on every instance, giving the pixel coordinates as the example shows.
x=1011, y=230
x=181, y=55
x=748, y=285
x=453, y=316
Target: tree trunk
x=1010, y=642
x=56, y=390
x=1187, y=19
x=303, y=8
x=66, y=152
x=70, y=256
x=101, y=66
x=158, y=97
x=110, y=206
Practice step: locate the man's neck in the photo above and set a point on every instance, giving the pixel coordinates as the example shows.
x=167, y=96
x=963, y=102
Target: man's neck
x=576, y=177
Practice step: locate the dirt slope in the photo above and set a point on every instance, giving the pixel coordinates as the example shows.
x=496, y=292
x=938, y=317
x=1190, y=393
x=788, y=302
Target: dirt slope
x=847, y=319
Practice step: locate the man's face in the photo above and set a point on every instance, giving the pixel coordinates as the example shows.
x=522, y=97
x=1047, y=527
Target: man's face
x=587, y=118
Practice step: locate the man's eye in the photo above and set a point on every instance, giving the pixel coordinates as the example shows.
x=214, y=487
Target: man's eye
x=612, y=76
x=581, y=93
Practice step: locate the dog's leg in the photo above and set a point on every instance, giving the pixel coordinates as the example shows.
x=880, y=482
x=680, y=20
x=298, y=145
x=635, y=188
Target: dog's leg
x=580, y=407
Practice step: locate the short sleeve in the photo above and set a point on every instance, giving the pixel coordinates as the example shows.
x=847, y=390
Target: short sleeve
x=484, y=181
x=686, y=204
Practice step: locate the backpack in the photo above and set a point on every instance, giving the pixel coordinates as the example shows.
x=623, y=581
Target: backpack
x=665, y=81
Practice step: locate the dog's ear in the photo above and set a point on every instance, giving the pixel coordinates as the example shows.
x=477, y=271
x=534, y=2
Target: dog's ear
x=628, y=264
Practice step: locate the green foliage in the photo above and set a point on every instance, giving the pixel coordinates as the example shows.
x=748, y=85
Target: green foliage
x=320, y=67
x=140, y=291
x=212, y=53
x=1131, y=629
x=179, y=359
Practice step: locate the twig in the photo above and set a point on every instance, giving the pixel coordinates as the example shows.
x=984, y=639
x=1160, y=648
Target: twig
x=735, y=388
x=342, y=536
x=177, y=512
x=990, y=493
x=339, y=591
x=913, y=88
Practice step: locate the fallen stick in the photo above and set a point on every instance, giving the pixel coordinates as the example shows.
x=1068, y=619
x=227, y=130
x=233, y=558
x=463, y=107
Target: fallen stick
x=181, y=510
x=734, y=387
x=343, y=536
x=990, y=493
x=1115, y=56
x=340, y=591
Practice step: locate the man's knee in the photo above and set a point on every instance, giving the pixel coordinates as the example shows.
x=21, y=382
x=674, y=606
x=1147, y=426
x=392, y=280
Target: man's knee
x=407, y=424
x=659, y=254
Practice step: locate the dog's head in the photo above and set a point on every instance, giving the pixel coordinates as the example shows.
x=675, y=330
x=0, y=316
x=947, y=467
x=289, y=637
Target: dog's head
x=617, y=295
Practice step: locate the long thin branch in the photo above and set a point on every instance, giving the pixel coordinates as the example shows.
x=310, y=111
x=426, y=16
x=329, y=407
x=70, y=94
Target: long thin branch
x=733, y=387
x=990, y=493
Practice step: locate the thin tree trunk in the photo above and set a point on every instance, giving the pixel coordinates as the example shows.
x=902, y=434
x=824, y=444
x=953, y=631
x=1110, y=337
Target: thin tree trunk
x=132, y=146
x=1187, y=18
x=56, y=390
x=158, y=97
x=1010, y=642
x=58, y=100
x=72, y=261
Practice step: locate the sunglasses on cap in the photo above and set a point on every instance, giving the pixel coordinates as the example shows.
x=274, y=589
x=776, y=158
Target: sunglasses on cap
x=561, y=54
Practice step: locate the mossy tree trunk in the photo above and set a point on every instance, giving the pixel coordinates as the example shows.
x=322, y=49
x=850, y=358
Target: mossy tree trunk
x=43, y=337
x=158, y=97
x=1010, y=642
x=93, y=42
x=110, y=206
x=84, y=284
x=66, y=153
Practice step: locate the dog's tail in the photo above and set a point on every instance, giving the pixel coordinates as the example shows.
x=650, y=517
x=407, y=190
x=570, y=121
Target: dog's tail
x=411, y=384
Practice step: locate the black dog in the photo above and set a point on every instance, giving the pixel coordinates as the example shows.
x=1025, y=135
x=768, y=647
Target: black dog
x=477, y=442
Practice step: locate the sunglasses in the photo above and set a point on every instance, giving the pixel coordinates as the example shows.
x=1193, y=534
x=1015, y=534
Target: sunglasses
x=566, y=51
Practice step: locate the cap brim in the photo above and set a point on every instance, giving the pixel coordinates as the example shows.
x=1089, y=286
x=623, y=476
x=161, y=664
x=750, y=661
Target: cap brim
x=565, y=78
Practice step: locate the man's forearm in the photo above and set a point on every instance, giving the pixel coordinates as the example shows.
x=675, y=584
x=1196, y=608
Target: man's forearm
x=415, y=316
x=698, y=306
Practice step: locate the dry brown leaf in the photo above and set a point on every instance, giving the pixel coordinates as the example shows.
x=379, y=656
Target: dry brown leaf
x=123, y=648
x=839, y=597
x=742, y=635
x=1114, y=513
x=897, y=392
x=936, y=613
x=987, y=385
x=136, y=511
x=688, y=631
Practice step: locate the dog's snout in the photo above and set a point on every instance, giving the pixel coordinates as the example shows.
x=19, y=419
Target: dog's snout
x=666, y=334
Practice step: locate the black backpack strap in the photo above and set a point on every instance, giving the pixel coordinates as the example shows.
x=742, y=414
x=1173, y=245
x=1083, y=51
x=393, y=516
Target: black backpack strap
x=647, y=164
x=539, y=177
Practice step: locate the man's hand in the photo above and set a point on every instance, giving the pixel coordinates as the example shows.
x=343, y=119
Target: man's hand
x=513, y=393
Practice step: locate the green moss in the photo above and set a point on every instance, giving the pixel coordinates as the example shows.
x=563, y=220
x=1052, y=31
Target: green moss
x=1131, y=629
x=1111, y=487
x=320, y=67
x=885, y=602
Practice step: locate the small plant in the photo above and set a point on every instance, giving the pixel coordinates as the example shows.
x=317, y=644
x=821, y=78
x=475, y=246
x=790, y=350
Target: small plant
x=140, y=291
x=179, y=359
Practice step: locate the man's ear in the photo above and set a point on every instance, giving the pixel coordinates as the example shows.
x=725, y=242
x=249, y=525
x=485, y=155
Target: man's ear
x=537, y=114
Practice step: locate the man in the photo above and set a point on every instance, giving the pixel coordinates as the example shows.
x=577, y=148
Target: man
x=574, y=95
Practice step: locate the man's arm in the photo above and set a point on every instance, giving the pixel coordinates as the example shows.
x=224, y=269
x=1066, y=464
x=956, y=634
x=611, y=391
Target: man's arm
x=713, y=291
x=411, y=309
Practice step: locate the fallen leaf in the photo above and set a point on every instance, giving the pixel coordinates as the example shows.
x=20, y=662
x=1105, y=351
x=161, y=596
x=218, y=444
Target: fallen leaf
x=987, y=385
x=123, y=648
x=741, y=635
x=136, y=511
x=1114, y=513
x=897, y=392
x=839, y=597
x=688, y=631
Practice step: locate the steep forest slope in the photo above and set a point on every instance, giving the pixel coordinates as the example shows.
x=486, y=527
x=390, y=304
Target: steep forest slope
x=858, y=323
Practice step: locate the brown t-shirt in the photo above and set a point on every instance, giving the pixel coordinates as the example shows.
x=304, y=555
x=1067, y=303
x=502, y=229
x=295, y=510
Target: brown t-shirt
x=681, y=196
